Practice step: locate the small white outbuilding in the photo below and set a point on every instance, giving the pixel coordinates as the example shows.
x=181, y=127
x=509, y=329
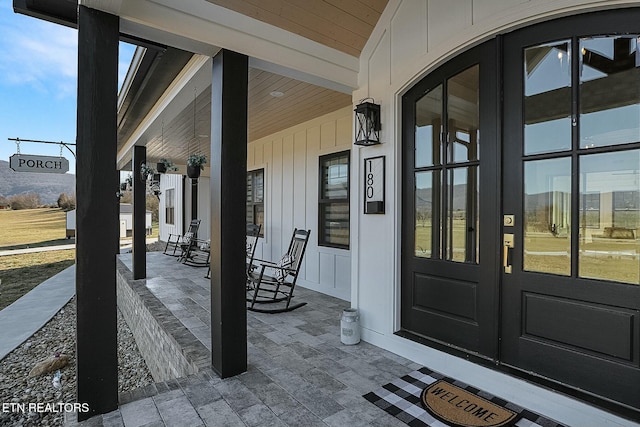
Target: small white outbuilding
x=126, y=221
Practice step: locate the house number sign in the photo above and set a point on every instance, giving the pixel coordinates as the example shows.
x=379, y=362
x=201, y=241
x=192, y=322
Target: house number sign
x=374, y=185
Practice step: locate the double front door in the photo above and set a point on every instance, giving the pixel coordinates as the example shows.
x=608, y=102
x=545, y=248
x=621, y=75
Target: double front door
x=521, y=212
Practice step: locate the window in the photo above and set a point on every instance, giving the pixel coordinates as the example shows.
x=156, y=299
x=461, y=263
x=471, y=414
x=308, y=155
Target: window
x=333, y=203
x=255, y=198
x=169, y=209
x=590, y=210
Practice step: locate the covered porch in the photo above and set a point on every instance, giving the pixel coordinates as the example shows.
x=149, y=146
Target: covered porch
x=298, y=371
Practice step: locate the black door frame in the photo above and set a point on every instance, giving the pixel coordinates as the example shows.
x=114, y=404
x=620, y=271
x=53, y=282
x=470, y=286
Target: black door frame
x=485, y=344
x=589, y=22
x=558, y=365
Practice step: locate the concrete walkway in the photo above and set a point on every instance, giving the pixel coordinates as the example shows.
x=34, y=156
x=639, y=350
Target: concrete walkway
x=37, y=249
x=29, y=313
x=124, y=244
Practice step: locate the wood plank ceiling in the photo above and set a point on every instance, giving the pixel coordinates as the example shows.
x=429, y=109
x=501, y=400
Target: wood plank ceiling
x=344, y=25
x=189, y=131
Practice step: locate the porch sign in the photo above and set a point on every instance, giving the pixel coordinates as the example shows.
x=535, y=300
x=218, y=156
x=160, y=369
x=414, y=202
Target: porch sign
x=42, y=164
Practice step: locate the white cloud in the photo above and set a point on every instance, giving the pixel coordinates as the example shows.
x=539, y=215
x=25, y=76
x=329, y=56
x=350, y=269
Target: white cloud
x=43, y=55
x=37, y=53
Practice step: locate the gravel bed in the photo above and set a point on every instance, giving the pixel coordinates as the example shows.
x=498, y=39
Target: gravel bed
x=59, y=335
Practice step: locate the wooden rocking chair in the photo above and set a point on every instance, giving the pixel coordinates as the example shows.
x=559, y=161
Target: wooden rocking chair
x=196, y=253
x=253, y=232
x=177, y=241
x=277, y=286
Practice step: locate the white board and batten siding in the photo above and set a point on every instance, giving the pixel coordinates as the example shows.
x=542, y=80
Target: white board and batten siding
x=182, y=187
x=167, y=182
x=291, y=160
x=412, y=38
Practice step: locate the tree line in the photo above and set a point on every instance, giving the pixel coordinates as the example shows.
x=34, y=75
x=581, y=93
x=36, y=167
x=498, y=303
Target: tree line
x=67, y=202
x=32, y=200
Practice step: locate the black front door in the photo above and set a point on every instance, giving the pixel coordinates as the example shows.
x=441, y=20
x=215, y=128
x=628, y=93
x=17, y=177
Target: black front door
x=450, y=208
x=571, y=187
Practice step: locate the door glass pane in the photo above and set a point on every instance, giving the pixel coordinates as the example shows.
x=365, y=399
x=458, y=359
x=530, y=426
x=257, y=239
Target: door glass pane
x=462, y=202
x=609, y=91
x=429, y=128
x=426, y=193
x=463, y=100
x=609, y=247
x=547, y=100
x=547, y=211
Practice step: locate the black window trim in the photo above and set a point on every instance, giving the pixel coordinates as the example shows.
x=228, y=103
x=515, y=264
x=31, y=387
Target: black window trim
x=253, y=204
x=321, y=202
x=172, y=207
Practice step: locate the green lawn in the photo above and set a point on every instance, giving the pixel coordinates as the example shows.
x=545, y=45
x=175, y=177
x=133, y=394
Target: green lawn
x=21, y=273
x=32, y=227
x=549, y=254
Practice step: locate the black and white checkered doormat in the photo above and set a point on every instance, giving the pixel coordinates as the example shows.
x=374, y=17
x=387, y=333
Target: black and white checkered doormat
x=401, y=398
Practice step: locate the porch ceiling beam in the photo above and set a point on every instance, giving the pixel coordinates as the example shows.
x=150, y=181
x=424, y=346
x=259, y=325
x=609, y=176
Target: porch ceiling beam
x=204, y=27
x=62, y=12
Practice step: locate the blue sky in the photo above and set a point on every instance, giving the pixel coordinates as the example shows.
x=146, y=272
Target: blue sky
x=38, y=75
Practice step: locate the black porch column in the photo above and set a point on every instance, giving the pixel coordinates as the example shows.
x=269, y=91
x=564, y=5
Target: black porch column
x=228, y=213
x=194, y=198
x=139, y=202
x=97, y=211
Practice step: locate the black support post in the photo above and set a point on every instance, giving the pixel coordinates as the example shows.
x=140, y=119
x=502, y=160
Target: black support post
x=228, y=213
x=139, y=233
x=97, y=212
x=194, y=198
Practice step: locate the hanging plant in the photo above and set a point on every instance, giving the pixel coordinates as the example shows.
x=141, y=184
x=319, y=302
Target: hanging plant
x=195, y=164
x=166, y=165
x=146, y=172
x=128, y=182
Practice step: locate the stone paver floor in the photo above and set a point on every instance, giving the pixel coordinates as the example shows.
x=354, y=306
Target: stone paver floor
x=299, y=373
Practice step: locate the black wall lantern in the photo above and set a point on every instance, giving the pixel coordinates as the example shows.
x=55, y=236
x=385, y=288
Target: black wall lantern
x=367, y=123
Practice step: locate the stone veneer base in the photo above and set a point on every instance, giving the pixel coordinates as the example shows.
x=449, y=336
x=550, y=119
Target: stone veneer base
x=169, y=348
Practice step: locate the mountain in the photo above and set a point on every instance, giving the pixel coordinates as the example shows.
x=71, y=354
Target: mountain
x=424, y=197
x=47, y=185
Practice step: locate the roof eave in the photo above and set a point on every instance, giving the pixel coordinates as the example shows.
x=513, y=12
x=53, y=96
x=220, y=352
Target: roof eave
x=63, y=12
